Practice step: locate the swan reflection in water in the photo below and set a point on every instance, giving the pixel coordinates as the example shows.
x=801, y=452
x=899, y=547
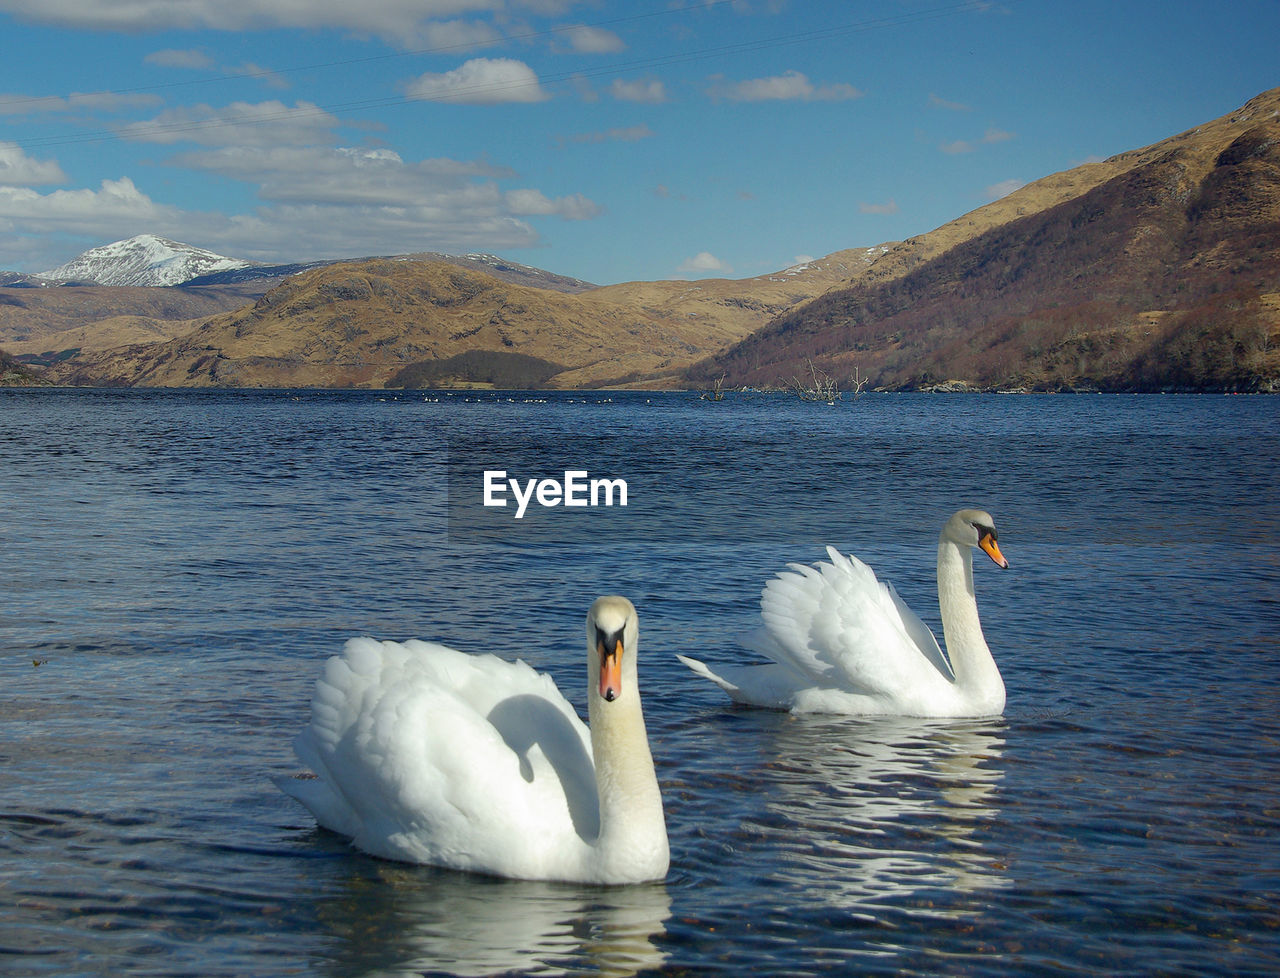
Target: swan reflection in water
x=410, y=920
x=864, y=812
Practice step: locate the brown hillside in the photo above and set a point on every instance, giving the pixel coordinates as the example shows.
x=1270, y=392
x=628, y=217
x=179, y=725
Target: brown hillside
x=363, y=324
x=1198, y=147
x=31, y=318
x=402, y=321
x=1162, y=275
x=16, y=374
x=732, y=308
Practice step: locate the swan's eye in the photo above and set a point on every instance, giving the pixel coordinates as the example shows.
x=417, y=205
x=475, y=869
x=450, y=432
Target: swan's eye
x=607, y=642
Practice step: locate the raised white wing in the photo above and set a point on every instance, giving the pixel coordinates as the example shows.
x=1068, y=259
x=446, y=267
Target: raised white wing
x=837, y=624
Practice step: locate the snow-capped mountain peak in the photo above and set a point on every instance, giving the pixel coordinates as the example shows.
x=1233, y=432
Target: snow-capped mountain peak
x=143, y=260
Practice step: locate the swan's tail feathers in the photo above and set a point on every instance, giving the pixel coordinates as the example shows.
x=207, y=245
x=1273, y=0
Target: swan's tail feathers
x=769, y=685
x=701, y=669
x=317, y=789
x=329, y=808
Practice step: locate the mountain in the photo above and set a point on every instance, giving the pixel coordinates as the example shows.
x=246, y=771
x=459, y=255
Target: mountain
x=500, y=268
x=149, y=260
x=410, y=320
x=43, y=325
x=21, y=280
x=400, y=322
x=142, y=260
x=1157, y=269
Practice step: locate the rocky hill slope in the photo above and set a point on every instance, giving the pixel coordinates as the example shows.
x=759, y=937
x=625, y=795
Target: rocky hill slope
x=1158, y=269
x=16, y=374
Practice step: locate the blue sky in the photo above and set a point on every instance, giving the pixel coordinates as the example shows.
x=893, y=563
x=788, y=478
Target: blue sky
x=605, y=140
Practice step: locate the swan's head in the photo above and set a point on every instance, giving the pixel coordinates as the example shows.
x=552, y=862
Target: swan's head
x=975, y=528
x=612, y=631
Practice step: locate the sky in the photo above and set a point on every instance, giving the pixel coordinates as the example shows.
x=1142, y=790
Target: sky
x=605, y=140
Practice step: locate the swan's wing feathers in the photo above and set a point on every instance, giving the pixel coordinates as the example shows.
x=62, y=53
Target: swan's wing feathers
x=418, y=735
x=837, y=624
x=760, y=640
x=920, y=634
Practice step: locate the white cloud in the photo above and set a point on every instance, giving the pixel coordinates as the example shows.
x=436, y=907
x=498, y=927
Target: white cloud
x=17, y=169
x=270, y=123
x=992, y=135
x=248, y=69
x=454, y=35
x=14, y=104
x=575, y=207
x=345, y=176
x=703, y=265
x=102, y=213
x=888, y=207
x=789, y=86
x=1003, y=189
x=317, y=201
x=400, y=22
x=940, y=103
x=593, y=40
x=480, y=81
x=663, y=192
x=196, y=60
x=44, y=230
x=620, y=134
x=192, y=59
x=649, y=91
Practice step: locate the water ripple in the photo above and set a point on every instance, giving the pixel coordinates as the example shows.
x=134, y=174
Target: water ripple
x=179, y=564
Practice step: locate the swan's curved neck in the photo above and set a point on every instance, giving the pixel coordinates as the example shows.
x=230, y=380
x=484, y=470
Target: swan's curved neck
x=632, y=827
x=975, y=669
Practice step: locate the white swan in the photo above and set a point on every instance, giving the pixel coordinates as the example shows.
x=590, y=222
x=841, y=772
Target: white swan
x=842, y=642
x=426, y=754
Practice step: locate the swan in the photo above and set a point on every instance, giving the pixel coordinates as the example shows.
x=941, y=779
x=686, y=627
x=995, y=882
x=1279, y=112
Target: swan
x=842, y=642
x=425, y=754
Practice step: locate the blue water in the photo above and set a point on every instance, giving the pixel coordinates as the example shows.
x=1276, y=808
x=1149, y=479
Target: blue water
x=178, y=564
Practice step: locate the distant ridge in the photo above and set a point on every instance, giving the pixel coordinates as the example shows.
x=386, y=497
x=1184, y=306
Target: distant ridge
x=499, y=268
x=148, y=260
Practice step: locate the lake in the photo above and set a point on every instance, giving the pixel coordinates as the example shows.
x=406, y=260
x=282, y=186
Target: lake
x=178, y=564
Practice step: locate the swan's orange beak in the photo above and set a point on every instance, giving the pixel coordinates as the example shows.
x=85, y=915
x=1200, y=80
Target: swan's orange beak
x=610, y=650
x=988, y=544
